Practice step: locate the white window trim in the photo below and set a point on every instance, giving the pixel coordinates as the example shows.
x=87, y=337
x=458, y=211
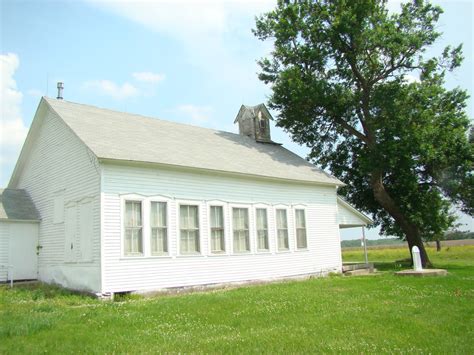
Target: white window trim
x=227, y=240
x=200, y=206
x=304, y=208
x=145, y=223
x=289, y=224
x=168, y=201
x=251, y=229
x=267, y=207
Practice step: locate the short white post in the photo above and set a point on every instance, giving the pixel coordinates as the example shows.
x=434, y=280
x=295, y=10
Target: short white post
x=415, y=252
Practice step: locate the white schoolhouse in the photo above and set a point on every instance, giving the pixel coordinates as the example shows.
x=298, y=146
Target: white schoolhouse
x=131, y=203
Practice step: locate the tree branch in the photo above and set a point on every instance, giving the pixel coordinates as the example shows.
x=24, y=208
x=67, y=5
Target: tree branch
x=351, y=129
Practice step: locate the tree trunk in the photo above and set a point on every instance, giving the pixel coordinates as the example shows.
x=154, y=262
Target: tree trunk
x=411, y=231
x=438, y=245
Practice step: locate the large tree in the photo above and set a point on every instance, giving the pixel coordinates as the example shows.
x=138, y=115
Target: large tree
x=351, y=81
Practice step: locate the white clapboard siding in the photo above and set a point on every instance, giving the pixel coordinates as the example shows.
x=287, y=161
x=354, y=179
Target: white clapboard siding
x=4, y=247
x=349, y=217
x=58, y=164
x=148, y=273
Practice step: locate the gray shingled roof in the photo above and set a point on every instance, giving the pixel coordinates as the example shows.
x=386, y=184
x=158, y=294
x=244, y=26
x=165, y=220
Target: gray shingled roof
x=123, y=136
x=16, y=204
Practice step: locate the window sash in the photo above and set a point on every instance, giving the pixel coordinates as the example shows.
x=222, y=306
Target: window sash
x=133, y=238
x=240, y=226
x=158, y=228
x=189, y=229
x=300, y=222
x=217, y=229
x=262, y=229
x=282, y=229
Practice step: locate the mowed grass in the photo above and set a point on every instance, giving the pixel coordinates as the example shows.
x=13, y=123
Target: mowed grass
x=367, y=314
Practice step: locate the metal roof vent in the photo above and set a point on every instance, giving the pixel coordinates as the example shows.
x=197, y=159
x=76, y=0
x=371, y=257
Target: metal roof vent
x=60, y=90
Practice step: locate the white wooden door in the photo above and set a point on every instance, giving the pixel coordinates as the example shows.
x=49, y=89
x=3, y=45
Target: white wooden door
x=23, y=253
x=70, y=233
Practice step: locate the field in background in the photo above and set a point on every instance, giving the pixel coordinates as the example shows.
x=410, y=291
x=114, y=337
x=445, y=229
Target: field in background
x=397, y=243
x=368, y=314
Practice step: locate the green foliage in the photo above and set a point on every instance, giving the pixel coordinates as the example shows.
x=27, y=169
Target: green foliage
x=322, y=315
x=458, y=235
x=339, y=77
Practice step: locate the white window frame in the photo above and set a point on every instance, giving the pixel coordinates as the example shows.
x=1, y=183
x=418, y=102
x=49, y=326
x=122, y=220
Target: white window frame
x=300, y=207
x=168, y=201
x=145, y=224
x=227, y=241
x=251, y=229
x=269, y=227
x=288, y=216
x=200, y=206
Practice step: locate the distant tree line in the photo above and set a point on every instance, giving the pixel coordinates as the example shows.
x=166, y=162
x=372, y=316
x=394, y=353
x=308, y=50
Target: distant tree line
x=450, y=235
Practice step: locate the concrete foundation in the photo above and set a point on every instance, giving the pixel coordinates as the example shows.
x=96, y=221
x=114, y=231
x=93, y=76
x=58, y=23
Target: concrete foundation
x=422, y=273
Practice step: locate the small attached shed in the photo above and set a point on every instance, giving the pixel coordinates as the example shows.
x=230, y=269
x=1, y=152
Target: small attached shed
x=349, y=217
x=19, y=224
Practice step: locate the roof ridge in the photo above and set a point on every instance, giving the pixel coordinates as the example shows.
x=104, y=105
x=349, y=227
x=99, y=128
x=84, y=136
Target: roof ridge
x=50, y=99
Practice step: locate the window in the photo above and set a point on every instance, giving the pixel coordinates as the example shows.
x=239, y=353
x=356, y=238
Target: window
x=300, y=222
x=133, y=228
x=217, y=229
x=262, y=229
x=240, y=223
x=282, y=229
x=159, y=228
x=189, y=229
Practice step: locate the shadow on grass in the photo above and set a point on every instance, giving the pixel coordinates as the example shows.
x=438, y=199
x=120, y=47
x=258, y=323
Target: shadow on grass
x=42, y=291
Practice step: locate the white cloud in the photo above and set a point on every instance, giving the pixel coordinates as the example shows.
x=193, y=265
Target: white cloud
x=35, y=93
x=148, y=77
x=12, y=128
x=197, y=114
x=410, y=79
x=109, y=88
x=216, y=34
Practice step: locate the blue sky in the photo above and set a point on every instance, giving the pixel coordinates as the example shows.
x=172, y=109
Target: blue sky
x=186, y=61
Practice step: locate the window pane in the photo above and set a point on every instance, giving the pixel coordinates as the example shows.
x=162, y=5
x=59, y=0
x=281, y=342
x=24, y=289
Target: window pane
x=158, y=214
x=301, y=241
x=301, y=238
x=240, y=219
x=217, y=218
x=189, y=229
x=261, y=218
x=300, y=220
x=135, y=240
x=133, y=213
x=159, y=241
x=282, y=222
x=133, y=231
x=282, y=230
x=217, y=229
x=262, y=229
x=262, y=239
x=283, y=239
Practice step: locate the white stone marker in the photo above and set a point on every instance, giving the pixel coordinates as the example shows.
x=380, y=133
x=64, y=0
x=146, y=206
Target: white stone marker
x=415, y=252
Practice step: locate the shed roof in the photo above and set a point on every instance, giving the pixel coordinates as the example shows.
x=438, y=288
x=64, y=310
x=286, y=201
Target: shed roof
x=16, y=204
x=128, y=137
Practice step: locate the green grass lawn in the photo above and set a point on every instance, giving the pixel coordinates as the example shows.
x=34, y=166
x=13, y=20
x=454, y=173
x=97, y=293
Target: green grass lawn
x=367, y=314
